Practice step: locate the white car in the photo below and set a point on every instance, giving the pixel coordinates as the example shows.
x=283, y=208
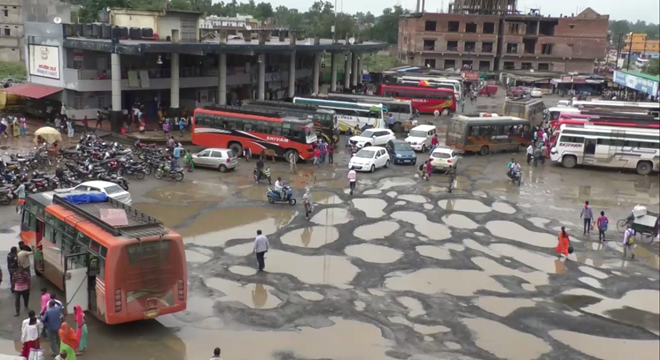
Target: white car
x=444, y=158
x=373, y=137
x=370, y=158
x=111, y=189
x=420, y=137
x=536, y=93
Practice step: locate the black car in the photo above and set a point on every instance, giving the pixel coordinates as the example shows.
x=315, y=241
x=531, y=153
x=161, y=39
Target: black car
x=401, y=152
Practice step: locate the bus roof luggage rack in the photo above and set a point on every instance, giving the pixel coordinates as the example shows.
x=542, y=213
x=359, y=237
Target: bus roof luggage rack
x=621, y=116
x=139, y=223
x=242, y=110
x=284, y=105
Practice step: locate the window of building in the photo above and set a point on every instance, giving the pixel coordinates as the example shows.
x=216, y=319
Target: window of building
x=484, y=65
x=467, y=65
x=547, y=28
x=101, y=102
x=450, y=64
x=526, y=65
x=453, y=26
x=544, y=66
x=546, y=49
x=509, y=65
x=430, y=25
x=514, y=28
x=78, y=102
x=7, y=32
x=452, y=45
x=511, y=48
x=487, y=47
x=469, y=46
x=529, y=45
x=429, y=63
x=489, y=28
x=6, y=12
x=429, y=45
x=471, y=27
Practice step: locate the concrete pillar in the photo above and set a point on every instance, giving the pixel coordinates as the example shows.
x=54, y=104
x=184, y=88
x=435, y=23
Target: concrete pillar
x=347, y=70
x=261, y=81
x=360, y=68
x=354, y=71
x=222, y=79
x=292, y=74
x=174, y=82
x=333, y=72
x=316, y=71
x=115, y=74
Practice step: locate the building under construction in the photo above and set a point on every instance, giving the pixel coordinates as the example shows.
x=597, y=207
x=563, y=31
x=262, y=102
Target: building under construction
x=492, y=35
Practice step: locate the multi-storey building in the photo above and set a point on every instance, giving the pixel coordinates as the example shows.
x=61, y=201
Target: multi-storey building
x=11, y=30
x=638, y=44
x=483, y=42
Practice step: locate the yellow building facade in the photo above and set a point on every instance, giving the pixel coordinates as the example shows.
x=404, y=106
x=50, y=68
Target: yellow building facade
x=640, y=44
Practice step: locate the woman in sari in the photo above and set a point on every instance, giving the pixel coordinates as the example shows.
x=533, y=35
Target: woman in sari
x=81, y=328
x=30, y=331
x=563, y=243
x=15, y=126
x=69, y=341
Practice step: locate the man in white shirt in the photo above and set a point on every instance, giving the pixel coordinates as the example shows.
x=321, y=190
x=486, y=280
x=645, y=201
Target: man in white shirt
x=261, y=247
x=352, y=178
x=279, y=187
x=530, y=153
x=545, y=137
x=216, y=354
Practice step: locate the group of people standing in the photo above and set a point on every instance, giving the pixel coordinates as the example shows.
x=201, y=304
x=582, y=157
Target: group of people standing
x=321, y=150
x=539, y=149
x=14, y=126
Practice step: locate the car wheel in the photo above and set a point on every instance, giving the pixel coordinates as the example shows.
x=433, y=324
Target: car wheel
x=414, y=162
x=387, y=164
x=365, y=145
x=222, y=168
x=373, y=168
x=424, y=148
x=484, y=150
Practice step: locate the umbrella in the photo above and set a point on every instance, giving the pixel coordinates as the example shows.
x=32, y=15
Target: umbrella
x=49, y=134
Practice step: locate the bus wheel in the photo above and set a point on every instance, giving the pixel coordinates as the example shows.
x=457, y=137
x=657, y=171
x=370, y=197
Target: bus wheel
x=569, y=161
x=444, y=112
x=644, y=167
x=397, y=128
x=236, y=148
x=288, y=153
x=484, y=150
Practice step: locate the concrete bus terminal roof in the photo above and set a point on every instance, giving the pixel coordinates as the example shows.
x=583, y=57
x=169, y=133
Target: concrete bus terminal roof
x=137, y=47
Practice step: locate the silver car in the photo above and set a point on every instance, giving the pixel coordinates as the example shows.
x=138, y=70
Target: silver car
x=221, y=159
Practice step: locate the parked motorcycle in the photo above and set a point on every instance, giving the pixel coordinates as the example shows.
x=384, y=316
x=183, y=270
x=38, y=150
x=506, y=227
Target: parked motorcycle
x=165, y=170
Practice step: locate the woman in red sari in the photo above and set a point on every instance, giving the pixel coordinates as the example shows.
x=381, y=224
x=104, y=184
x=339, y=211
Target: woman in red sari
x=562, y=245
x=30, y=331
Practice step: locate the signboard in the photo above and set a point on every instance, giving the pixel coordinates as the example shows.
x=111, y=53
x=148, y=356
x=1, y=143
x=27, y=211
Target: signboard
x=635, y=82
x=470, y=75
x=45, y=61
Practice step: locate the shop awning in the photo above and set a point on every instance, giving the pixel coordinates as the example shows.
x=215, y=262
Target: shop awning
x=33, y=91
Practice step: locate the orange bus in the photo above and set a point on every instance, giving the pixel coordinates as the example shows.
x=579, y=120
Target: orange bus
x=116, y=262
x=236, y=128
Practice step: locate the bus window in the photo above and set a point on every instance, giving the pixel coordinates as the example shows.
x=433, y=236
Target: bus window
x=571, y=139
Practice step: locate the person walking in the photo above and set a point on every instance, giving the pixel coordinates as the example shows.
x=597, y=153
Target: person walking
x=12, y=265
x=293, y=159
x=563, y=243
x=317, y=156
x=352, y=179
x=436, y=114
x=81, y=329
x=99, y=120
x=23, y=256
x=182, y=126
x=530, y=153
x=602, y=223
x=15, y=127
x=587, y=214
x=68, y=341
x=390, y=121
x=21, y=288
x=216, y=354
x=429, y=169
x=434, y=143
x=629, y=241
x=308, y=203
x=52, y=319
x=30, y=330
x=176, y=153
x=324, y=150
x=166, y=128
x=331, y=153
x=463, y=104
x=261, y=247
x=544, y=153
x=69, y=128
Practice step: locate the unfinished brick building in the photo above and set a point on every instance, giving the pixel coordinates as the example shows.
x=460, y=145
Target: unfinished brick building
x=471, y=37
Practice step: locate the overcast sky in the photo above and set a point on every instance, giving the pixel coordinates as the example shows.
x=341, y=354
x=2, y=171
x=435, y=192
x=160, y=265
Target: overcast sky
x=632, y=10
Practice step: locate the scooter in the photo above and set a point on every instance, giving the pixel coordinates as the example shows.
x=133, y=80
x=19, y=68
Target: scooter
x=515, y=177
x=273, y=196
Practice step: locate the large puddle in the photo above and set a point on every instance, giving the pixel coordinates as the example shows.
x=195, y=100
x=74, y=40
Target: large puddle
x=423, y=226
x=472, y=244
x=608, y=348
x=450, y=281
x=203, y=191
x=373, y=208
x=512, y=231
x=438, y=252
x=417, y=199
x=501, y=306
x=311, y=237
x=198, y=255
x=459, y=221
x=374, y=253
x=331, y=216
x=171, y=215
x=503, y=208
x=533, y=259
x=387, y=184
x=345, y=339
x=379, y=230
x=414, y=306
x=215, y=228
x=310, y=295
x=255, y=296
x=505, y=342
x=464, y=205
x=491, y=267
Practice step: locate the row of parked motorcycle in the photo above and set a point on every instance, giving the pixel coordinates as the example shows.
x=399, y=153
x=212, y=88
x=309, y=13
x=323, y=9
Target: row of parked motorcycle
x=92, y=159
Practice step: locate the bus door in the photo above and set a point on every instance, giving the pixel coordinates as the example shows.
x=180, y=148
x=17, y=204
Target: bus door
x=589, y=151
x=76, y=287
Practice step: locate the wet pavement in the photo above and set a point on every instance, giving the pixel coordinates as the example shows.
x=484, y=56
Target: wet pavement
x=401, y=270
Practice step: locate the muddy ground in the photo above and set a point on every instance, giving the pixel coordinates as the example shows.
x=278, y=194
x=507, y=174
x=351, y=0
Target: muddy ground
x=400, y=270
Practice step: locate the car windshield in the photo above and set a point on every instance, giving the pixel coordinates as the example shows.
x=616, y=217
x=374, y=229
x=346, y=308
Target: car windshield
x=441, y=155
x=114, y=189
x=367, y=134
x=366, y=154
x=417, y=133
x=402, y=147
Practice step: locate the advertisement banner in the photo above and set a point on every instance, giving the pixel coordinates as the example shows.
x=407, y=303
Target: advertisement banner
x=45, y=61
x=635, y=82
x=470, y=75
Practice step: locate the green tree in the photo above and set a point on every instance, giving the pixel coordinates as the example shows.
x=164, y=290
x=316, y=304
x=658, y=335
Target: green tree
x=653, y=68
x=263, y=11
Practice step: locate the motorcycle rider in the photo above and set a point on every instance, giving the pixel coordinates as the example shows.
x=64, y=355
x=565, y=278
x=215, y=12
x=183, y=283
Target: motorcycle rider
x=279, y=187
x=515, y=170
x=260, y=168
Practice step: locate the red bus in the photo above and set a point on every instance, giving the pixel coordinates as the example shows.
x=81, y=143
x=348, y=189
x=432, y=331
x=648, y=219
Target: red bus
x=617, y=120
x=424, y=99
x=117, y=263
x=236, y=128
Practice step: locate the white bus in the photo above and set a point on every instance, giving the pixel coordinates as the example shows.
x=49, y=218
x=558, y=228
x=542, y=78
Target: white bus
x=349, y=114
x=401, y=109
x=644, y=107
x=440, y=82
x=604, y=146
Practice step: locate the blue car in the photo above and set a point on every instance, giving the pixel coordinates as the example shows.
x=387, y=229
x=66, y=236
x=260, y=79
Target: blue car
x=401, y=152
